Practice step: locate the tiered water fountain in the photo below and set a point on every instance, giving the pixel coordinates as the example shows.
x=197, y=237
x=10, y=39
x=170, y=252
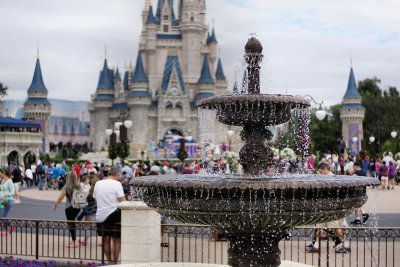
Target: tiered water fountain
x=255, y=210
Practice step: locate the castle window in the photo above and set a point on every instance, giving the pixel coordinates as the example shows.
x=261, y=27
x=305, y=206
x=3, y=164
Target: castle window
x=192, y=18
x=59, y=126
x=68, y=130
x=166, y=17
x=165, y=28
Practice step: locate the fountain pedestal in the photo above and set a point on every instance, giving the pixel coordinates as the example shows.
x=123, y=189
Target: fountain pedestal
x=256, y=250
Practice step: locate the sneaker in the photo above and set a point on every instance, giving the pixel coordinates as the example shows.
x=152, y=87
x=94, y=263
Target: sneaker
x=313, y=250
x=365, y=217
x=392, y=187
x=343, y=250
x=310, y=246
x=82, y=243
x=356, y=221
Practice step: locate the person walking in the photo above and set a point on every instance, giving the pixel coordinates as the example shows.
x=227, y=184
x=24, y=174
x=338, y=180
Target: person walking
x=108, y=193
x=7, y=193
x=29, y=178
x=16, y=177
x=384, y=173
x=392, y=174
x=71, y=184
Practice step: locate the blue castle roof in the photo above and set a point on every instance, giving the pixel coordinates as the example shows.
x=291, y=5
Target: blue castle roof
x=205, y=76
x=160, y=5
x=212, y=38
x=352, y=106
x=171, y=64
x=37, y=80
x=352, y=86
x=150, y=17
x=202, y=95
x=126, y=81
x=37, y=100
x=12, y=122
x=117, y=77
x=139, y=94
x=119, y=106
x=139, y=75
x=106, y=78
x=104, y=97
x=219, y=74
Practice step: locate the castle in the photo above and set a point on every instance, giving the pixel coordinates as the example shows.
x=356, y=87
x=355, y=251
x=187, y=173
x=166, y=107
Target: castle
x=177, y=66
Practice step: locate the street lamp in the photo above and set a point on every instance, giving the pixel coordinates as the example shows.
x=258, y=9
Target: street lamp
x=393, y=134
x=320, y=113
x=230, y=133
x=354, y=139
x=371, y=139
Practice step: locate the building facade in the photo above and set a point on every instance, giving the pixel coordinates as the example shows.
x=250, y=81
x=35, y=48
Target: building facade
x=20, y=141
x=352, y=114
x=176, y=67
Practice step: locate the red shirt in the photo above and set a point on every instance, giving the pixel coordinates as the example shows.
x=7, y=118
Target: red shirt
x=77, y=170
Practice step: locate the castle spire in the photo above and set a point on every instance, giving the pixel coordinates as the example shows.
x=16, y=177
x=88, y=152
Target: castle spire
x=117, y=75
x=104, y=81
x=219, y=74
x=213, y=37
x=205, y=76
x=150, y=17
x=139, y=75
x=352, y=86
x=37, y=80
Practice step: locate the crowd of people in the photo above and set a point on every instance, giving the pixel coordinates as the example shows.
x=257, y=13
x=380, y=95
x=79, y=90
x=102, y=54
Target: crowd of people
x=93, y=190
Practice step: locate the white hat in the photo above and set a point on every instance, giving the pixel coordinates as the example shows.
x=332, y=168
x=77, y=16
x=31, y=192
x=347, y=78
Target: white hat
x=155, y=168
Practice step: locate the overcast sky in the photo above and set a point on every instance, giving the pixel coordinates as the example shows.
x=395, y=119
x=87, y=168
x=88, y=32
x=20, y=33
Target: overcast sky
x=307, y=44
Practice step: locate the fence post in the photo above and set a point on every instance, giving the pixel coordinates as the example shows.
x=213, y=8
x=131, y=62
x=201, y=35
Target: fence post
x=140, y=233
x=37, y=239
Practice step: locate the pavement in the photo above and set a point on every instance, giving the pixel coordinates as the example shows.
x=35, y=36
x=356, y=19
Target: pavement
x=382, y=205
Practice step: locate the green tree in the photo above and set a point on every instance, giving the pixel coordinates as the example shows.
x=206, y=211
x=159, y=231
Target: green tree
x=324, y=134
x=112, y=152
x=381, y=110
x=123, y=150
x=3, y=90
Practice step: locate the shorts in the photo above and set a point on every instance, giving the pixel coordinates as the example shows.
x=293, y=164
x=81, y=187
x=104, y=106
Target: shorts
x=16, y=186
x=391, y=177
x=384, y=178
x=111, y=226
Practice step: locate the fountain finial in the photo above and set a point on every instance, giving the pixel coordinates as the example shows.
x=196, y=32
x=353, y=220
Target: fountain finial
x=253, y=46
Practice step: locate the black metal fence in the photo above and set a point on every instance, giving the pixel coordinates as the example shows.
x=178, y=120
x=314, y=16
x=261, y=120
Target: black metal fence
x=370, y=247
x=40, y=239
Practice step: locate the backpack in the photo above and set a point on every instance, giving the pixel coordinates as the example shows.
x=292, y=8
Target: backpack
x=78, y=200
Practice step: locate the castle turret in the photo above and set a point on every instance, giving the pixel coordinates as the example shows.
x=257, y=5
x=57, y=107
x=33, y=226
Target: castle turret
x=205, y=82
x=139, y=80
x=213, y=46
x=352, y=114
x=117, y=83
x=100, y=107
x=37, y=107
x=221, y=85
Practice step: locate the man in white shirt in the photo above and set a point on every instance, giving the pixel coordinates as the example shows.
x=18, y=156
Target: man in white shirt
x=108, y=193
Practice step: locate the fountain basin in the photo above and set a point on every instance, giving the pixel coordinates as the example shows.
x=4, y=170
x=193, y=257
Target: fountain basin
x=257, y=109
x=238, y=204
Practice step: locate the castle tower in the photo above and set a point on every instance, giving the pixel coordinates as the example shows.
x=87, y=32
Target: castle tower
x=37, y=107
x=352, y=114
x=193, y=29
x=100, y=108
x=176, y=66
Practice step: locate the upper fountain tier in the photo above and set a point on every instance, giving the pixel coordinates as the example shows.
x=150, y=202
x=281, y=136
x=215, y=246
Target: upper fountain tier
x=253, y=108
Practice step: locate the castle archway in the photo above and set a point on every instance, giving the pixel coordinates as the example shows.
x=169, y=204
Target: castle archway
x=29, y=158
x=13, y=156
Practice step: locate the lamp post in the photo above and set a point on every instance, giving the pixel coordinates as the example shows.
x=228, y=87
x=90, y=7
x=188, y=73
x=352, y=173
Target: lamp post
x=120, y=132
x=230, y=133
x=320, y=113
x=393, y=134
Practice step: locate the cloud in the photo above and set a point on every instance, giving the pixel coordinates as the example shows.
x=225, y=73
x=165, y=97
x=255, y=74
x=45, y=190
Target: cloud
x=307, y=44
